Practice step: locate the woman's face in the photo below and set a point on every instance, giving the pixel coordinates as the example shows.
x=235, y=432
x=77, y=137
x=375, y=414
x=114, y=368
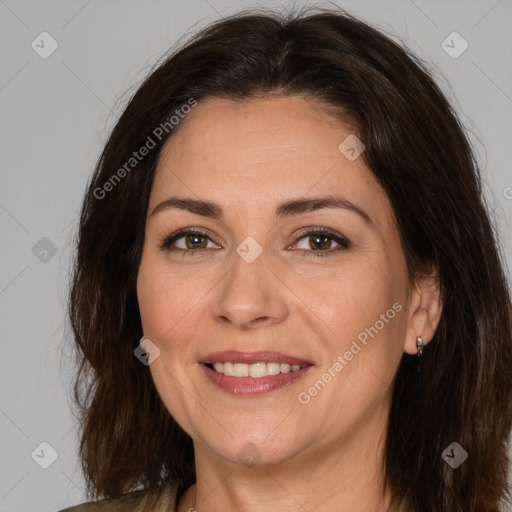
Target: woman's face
x=260, y=277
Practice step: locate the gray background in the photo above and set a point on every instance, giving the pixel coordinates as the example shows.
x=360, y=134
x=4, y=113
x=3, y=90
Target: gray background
x=55, y=116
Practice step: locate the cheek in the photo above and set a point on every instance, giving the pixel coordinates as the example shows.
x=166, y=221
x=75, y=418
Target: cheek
x=163, y=306
x=152, y=298
x=169, y=382
x=353, y=300
x=364, y=311
x=163, y=298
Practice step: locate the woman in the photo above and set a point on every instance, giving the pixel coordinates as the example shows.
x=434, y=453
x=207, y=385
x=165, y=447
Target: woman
x=287, y=292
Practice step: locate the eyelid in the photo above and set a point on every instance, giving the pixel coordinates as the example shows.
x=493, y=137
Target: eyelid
x=310, y=230
x=183, y=232
x=341, y=240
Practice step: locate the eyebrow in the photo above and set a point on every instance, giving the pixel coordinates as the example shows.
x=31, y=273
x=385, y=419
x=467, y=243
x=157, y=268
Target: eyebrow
x=286, y=209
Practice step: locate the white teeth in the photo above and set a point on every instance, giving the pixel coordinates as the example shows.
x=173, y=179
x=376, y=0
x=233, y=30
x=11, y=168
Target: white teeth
x=227, y=369
x=273, y=368
x=258, y=370
x=285, y=368
x=255, y=370
x=240, y=370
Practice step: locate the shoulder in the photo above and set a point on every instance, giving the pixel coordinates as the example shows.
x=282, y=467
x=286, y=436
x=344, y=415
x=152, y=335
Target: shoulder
x=138, y=501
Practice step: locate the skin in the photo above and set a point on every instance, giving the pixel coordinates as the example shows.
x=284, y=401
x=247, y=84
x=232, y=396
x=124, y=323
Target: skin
x=249, y=157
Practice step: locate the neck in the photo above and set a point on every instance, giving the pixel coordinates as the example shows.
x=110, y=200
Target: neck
x=347, y=476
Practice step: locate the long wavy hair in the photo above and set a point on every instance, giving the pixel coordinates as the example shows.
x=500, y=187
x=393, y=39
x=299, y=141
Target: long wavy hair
x=417, y=149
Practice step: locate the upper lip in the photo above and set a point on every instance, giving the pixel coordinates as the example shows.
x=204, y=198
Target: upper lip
x=235, y=356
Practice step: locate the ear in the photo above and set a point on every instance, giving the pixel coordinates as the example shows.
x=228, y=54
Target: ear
x=424, y=310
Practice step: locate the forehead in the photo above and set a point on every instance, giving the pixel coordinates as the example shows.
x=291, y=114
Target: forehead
x=253, y=154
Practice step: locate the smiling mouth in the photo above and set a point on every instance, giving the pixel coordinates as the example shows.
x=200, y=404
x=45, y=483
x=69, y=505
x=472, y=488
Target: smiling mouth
x=255, y=370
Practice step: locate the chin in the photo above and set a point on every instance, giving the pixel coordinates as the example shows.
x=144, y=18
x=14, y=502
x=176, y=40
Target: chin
x=252, y=451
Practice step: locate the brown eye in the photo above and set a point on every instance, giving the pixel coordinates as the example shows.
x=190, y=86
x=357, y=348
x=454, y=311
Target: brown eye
x=187, y=241
x=194, y=241
x=320, y=242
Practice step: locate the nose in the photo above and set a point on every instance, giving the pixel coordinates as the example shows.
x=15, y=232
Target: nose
x=250, y=295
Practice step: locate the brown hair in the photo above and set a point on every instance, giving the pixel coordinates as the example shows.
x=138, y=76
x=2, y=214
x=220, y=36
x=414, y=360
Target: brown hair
x=417, y=149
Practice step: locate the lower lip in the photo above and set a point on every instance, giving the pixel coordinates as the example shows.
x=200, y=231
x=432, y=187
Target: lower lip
x=253, y=386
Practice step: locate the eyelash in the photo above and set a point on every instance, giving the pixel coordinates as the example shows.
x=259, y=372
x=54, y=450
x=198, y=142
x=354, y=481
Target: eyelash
x=341, y=240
